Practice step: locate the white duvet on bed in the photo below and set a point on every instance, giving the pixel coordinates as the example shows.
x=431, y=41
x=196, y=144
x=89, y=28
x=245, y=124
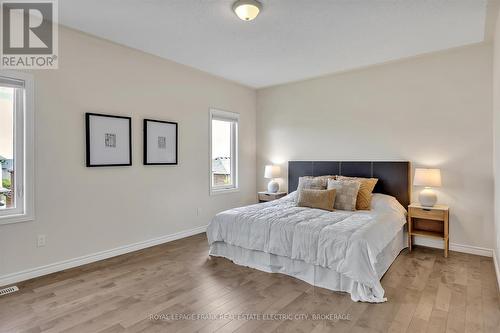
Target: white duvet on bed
x=347, y=242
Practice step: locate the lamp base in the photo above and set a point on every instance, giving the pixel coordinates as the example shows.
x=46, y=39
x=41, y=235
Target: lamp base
x=427, y=197
x=273, y=187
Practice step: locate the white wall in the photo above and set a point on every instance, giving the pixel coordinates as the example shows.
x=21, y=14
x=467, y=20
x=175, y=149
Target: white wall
x=496, y=143
x=433, y=110
x=86, y=210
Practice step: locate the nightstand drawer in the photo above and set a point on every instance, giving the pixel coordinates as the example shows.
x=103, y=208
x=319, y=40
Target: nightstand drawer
x=266, y=196
x=429, y=214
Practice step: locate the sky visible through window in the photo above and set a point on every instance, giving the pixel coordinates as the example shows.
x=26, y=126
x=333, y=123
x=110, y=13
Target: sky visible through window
x=221, y=153
x=6, y=144
x=6, y=122
x=221, y=138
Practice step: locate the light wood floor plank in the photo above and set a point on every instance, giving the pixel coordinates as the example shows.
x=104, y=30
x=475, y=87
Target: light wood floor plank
x=426, y=292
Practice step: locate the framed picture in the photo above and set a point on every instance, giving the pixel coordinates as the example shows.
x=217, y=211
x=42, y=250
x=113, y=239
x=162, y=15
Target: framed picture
x=109, y=140
x=160, y=142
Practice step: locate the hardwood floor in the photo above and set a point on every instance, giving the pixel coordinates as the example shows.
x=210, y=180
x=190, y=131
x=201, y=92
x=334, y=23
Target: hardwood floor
x=426, y=292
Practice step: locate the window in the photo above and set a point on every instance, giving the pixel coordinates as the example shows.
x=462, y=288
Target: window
x=223, y=151
x=16, y=147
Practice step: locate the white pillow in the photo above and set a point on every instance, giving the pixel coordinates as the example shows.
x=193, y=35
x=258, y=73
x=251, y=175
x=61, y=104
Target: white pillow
x=383, y=203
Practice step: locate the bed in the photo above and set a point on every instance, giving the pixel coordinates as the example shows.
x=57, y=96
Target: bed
x=347, y=251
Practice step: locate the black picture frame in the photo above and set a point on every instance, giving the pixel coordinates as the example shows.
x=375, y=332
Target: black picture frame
x=88, y=133
x=145, y=142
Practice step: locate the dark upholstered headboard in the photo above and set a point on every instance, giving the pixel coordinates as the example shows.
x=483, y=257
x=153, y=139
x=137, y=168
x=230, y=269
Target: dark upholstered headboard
x=393, y=177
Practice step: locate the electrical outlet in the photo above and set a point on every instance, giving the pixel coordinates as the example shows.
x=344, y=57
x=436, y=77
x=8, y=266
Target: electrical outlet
x=41, y=240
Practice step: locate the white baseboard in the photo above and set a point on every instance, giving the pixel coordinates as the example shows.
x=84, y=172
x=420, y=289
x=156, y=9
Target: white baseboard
x=75, y=262
x=438, y=244
x=497, y=267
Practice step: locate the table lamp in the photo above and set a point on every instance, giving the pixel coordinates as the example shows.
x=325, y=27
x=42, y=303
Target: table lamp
x=271, y=172
x=428, y=178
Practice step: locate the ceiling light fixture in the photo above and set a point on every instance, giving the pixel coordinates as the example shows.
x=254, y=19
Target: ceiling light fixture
x=247, y=10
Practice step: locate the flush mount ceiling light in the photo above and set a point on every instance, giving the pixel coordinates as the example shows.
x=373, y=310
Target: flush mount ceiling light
x=247, y=10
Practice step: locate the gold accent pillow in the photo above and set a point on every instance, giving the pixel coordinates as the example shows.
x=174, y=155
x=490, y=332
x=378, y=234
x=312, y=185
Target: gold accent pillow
x=364, y=200
x=312, y=183
x=321, y=199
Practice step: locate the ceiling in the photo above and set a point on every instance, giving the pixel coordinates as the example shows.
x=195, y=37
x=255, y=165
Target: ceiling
x=289, y=41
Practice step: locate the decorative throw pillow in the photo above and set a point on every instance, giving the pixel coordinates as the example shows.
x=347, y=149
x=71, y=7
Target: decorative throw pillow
x=347, y=193
x=364, y=199
x=313, y=183
x=325, y=178
x=321, y=199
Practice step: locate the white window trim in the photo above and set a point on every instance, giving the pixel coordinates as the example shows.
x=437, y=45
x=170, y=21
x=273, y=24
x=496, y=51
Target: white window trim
x=24, y=152
x=228, y=116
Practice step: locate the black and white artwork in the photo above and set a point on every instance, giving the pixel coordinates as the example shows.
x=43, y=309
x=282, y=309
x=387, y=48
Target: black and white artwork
x=160, y=142
x=109, y=140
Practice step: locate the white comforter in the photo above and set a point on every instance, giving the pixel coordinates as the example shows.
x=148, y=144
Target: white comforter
x=347, y=242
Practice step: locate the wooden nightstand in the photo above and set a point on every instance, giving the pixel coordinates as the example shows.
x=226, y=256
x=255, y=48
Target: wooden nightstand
x=428, y=222
x=266, y=196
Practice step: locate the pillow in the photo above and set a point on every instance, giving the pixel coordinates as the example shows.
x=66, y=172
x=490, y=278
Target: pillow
x=365, y=191
x=386, y=203
x=314, y=183
x=347, y=193
x=321, y=199
x=325, y=178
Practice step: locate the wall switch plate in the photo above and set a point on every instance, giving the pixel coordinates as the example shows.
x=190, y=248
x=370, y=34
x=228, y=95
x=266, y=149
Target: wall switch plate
x=41, y=240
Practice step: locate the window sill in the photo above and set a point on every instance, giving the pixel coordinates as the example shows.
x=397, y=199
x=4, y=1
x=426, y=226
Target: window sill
x=224, y=191
x=9, y=219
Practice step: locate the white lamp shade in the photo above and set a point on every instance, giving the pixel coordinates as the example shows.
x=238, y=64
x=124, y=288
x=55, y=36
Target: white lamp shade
x=427, y=177
x=272, y=171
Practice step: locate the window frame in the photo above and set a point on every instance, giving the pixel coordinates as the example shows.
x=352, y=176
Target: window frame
x=234, y=118
x=24, y=157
